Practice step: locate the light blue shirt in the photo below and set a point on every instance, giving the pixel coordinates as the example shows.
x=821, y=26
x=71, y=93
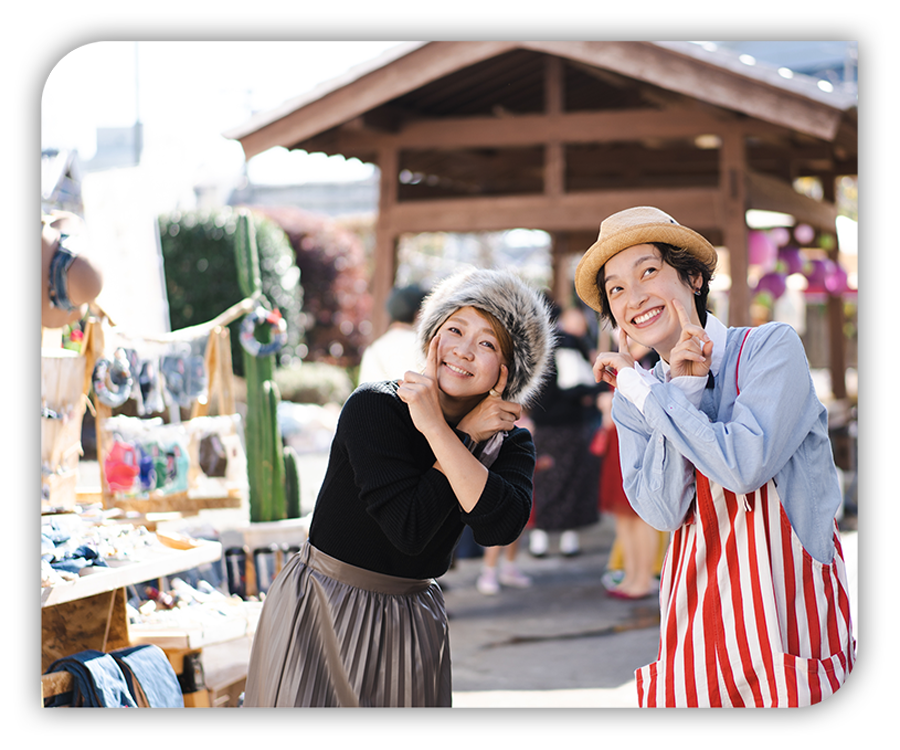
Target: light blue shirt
x=776, y=428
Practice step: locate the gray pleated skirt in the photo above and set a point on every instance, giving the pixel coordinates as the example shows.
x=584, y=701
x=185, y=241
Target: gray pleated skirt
x=333, y=634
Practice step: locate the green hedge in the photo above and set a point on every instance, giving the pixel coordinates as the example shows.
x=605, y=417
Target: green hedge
x=201, y=274
x=313, y=383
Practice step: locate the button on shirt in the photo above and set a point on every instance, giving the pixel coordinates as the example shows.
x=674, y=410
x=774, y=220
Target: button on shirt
x=776, y=428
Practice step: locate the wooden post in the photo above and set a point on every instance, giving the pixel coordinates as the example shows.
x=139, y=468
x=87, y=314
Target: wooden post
x=837, y=354
x=385, y=240
x=560, y=284
x=220, y=374
x=92, y=348
x=554, y=150
x=732, y=188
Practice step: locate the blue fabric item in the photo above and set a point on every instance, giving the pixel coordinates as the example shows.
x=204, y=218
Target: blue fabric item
x=55, y=535
x=82, y=557
x=147, y=670
x=48, y=548
x=97, y=681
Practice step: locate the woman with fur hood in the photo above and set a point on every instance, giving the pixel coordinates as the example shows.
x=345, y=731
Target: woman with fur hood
x=356, y=618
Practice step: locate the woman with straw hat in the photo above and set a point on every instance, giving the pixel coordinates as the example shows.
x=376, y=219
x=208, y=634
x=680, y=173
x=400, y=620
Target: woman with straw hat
x=356, y=617
x=725, y=444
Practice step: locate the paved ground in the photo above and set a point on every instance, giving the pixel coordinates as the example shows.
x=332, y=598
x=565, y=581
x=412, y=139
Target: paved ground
x=562, y=643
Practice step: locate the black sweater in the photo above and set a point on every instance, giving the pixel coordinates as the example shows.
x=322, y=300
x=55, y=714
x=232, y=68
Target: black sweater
x=383, y=506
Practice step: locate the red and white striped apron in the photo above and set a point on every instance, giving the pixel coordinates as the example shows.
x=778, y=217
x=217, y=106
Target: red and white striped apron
x=747, y=616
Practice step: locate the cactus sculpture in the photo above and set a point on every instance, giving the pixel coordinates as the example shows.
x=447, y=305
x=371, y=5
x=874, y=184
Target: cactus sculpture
x=266, y=471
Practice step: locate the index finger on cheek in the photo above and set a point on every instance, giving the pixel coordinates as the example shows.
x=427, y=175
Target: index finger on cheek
x=682, y=313
x=431, y=362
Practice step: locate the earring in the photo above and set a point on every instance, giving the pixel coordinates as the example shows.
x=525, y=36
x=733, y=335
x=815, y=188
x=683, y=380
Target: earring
x=697, y=292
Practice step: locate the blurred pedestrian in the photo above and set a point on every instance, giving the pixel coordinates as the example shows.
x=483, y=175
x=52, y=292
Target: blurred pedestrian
x=396, y=350
x=638, y=542
x=725, y=444
x=564, y=417
x=503, y=558
x=356, y=618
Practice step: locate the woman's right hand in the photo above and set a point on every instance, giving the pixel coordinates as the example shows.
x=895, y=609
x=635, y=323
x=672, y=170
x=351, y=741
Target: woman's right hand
x=692, y=355
x=419, y=390
x=608, y=364
x=492, y=414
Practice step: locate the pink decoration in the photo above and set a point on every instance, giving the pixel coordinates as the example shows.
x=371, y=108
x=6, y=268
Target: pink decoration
x=772, y=283
x=780, y=236
x=793, y=259
x=836, y=283
x=804, y=234
x=818, y=274
x=761, y=251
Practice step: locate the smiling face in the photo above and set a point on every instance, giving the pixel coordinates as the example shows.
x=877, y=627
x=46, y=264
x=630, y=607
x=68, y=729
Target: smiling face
x=640, y=288
x=469, y=355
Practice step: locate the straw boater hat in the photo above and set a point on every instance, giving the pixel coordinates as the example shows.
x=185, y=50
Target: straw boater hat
x=635, y=226
x=520, y=309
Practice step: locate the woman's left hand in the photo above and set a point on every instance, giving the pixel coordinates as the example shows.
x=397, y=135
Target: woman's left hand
x=420, y=392
x=492, y=414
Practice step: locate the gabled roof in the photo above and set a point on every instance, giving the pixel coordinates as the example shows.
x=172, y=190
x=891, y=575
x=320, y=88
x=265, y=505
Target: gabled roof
x=427, y=79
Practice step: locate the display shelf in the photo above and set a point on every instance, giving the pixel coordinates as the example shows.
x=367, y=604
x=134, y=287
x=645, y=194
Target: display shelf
x=156, y=564
x=216, y=624
x=188, y=503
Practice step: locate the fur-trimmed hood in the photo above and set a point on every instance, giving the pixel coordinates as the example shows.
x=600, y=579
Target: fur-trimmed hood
x=521, y=310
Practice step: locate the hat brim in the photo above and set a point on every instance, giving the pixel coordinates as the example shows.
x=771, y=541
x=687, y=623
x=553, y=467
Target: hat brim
x=605, y=248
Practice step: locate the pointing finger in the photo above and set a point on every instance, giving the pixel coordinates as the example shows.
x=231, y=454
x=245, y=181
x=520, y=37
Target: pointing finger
x=682, y=313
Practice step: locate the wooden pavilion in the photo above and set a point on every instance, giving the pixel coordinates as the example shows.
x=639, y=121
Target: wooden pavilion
x=485, y=135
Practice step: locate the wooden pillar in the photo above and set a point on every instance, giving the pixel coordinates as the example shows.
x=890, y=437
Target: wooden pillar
x=385, y=269
x=837, y=354
x=554, y=150
x=560, y=283
x=733, y=189
x=555, y=180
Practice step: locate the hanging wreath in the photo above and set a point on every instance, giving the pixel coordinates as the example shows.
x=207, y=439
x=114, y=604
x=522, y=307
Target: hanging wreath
x=248, y=332
x=113, y=381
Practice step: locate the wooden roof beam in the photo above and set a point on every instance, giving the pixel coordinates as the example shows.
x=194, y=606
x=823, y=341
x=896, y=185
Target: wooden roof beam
x=527, y=130
x=646, y=61
x=695, y=207
x=768, y=193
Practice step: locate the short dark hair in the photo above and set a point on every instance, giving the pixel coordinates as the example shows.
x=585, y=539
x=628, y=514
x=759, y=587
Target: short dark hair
x=404, y=302
x=684, y=261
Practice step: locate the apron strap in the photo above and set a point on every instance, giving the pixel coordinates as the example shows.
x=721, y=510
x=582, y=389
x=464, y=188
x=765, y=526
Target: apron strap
x=737, y=368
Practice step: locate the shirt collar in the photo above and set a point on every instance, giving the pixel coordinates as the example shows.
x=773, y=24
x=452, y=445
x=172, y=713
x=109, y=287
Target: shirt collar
x=718, y=333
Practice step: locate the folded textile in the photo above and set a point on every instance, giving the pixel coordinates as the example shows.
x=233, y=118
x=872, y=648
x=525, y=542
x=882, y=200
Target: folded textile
x=84, y=556
x=97, y=680
x=150, y=677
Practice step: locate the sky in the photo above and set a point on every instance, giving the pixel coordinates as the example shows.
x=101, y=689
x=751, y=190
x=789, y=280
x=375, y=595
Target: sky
x=187, y=93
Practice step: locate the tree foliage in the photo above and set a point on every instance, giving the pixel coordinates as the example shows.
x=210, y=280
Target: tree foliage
x=337, y=301
x=201, y=274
